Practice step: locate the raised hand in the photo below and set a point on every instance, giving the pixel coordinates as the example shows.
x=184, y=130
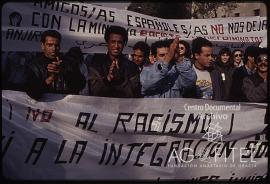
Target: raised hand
x=53, y=69
x=172, y=51
x=113, y=70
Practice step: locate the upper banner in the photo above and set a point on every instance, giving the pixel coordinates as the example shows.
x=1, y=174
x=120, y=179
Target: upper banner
x=95, y=138
x=83, y=25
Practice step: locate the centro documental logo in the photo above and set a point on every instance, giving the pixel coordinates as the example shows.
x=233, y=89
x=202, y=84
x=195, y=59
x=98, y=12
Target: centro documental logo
x=214, y=133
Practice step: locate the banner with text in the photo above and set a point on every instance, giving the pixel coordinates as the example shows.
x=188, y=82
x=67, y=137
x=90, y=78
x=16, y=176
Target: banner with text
x=84, y=24
x=84, y=138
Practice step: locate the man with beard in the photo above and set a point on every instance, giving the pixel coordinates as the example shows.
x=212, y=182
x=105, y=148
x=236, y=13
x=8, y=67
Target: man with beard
x=255, y=86
x=112, y=74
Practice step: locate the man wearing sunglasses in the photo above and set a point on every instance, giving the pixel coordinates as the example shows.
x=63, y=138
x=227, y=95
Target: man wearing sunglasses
x=255, y=86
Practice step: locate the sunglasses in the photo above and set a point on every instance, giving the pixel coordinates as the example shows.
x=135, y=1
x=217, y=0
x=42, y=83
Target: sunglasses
x=181, y=48
x=262, y=59
x=238, y=55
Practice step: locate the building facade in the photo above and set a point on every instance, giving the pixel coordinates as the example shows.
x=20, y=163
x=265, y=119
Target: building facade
x=244, y=10
x=230, y=9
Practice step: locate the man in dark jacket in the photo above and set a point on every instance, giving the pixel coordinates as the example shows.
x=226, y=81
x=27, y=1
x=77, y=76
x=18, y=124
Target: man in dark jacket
x=249, y=68
x=255, y=86
x=112, y=74
x=224, y=65
x=48, y=74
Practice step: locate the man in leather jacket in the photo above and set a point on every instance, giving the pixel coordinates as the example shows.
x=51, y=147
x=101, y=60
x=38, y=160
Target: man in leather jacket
x=49, y=74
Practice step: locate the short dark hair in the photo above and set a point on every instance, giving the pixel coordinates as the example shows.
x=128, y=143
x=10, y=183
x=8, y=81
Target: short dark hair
x=116, y=30
x=187, y=46
x=224, y=50
x=52, y=33
x=198, y=43
x=159, y=44
x=252, y=51
x=143, y=47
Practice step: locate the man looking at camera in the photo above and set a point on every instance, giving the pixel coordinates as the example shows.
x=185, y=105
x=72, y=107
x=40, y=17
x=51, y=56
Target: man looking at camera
x=49, y=74
x=255, y=86
x=112, y=74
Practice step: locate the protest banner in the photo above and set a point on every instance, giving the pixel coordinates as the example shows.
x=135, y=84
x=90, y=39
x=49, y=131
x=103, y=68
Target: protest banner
x=95, y=138
x=84, y=24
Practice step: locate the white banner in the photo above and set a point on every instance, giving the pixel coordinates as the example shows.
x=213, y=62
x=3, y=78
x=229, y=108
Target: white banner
x=83, y=25
x=95, y=138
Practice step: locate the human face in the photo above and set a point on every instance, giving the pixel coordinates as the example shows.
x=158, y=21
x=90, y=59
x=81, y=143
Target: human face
x=115, y=45
x=204, y=59
x=51, y=47
x=262, y=63
x=251, y=62
x=161, y=53
x=138, y=57
x=238, y=57
x=152, y=58
x=224, y=57
x=182, y=50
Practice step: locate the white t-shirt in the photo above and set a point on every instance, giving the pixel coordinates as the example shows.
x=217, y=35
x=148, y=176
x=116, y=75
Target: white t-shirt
x=204, y=88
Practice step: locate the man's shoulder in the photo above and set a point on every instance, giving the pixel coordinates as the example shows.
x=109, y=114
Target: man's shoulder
x=188, y=60
x=100, y=56
x=129, y=65
x=37, y=61
x=98, y=59
x=205, y=71
x=255, y=77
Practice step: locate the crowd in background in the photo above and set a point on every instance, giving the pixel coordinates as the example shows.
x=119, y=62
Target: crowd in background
x=166, y=69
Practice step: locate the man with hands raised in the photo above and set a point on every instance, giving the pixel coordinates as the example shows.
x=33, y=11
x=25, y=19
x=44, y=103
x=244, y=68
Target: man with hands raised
x=112, y=74
x=49, y=74
x=168, y=78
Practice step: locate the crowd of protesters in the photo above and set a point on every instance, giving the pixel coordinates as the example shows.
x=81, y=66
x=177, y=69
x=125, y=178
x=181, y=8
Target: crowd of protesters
x=167, y=69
